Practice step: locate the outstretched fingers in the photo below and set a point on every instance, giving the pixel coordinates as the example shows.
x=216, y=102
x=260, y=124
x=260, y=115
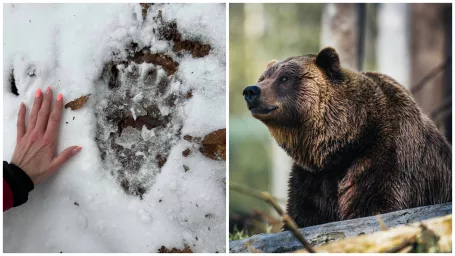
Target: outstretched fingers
x=43, y=114
x=63, y=157
x=53, y=124
x=21, y=122
x=35, y=109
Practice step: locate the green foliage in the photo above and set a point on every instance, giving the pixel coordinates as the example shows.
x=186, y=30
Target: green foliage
x=249, y=162
x=427, y=242
x=259, y=33
x=238, y=235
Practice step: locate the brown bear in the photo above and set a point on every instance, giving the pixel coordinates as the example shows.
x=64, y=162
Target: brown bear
x=360, y=144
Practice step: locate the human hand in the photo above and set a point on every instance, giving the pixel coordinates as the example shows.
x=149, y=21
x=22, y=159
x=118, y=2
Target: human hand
x=36, y=145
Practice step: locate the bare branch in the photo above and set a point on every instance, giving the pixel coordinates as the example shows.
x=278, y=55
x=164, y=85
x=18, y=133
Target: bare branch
x=267, y=197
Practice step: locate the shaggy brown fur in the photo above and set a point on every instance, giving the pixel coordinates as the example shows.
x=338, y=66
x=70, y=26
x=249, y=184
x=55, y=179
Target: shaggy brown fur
x=360, y=144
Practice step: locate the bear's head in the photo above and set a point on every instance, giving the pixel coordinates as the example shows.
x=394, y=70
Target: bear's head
x=291, y=90
x=302, y=101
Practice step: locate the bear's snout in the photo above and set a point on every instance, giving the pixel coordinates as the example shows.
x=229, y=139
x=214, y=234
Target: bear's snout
x=251, y=94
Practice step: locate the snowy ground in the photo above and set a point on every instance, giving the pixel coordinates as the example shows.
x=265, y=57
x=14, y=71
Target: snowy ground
x=93, y=204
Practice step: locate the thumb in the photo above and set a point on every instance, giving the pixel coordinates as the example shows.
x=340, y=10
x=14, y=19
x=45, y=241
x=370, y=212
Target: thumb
x=63, y=157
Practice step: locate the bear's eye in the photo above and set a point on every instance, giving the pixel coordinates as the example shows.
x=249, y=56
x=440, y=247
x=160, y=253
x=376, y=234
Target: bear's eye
x=283, y=79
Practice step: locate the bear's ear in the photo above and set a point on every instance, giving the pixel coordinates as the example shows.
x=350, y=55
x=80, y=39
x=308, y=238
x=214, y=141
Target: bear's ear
x=329, y=61
x=270, y=63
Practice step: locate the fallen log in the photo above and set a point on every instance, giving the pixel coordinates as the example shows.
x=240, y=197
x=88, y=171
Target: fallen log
x=321, y=234
x=430, y=236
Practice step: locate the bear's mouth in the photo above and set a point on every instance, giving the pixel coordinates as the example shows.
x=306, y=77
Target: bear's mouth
x=257, y=110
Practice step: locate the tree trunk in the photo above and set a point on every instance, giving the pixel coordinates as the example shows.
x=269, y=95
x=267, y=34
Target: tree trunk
x=340, y=30
x=428, y=51
x=392, y=42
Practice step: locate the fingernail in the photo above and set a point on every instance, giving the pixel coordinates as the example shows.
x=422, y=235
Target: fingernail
x=76, y=150
x=48, y=90
x=59, y=96
x=38, y=93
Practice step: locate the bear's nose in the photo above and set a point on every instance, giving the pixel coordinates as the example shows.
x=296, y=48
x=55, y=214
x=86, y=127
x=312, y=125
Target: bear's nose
x=251, y=93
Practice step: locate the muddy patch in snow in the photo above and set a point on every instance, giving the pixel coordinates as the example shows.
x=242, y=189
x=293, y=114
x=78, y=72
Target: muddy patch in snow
x=12, y=82
x=168, y=31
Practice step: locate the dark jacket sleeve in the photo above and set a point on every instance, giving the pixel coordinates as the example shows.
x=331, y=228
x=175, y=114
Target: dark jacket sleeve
x=18, y=183
x=7, y=196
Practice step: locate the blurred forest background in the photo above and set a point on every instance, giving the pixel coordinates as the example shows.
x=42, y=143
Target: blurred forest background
x=410, y=42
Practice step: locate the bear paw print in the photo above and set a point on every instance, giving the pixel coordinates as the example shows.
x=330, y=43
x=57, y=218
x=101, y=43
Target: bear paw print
x=137, y=118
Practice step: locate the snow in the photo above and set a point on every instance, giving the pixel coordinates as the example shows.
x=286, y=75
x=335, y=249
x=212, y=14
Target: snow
x=129, y=137
x=147, y=134
x=84, y=208
x=138, y=98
